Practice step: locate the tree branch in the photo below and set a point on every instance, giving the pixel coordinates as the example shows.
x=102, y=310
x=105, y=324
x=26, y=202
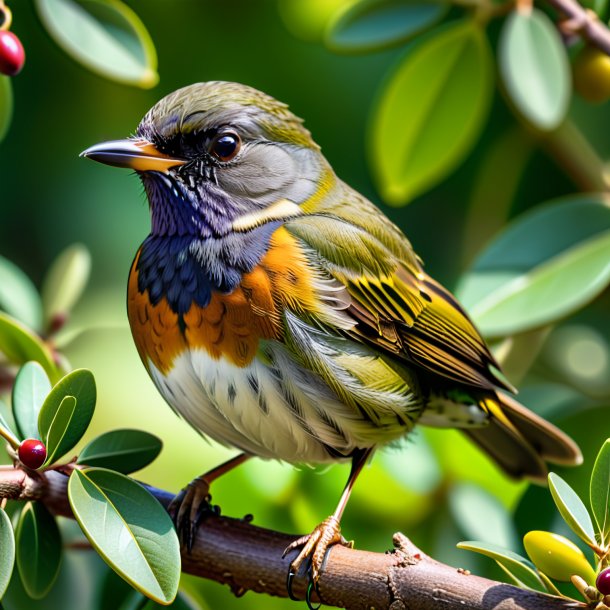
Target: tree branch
x=249, y=558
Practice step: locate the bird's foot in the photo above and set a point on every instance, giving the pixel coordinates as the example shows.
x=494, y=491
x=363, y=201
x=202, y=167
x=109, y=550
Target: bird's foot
x=188, y=508
x=315, y=546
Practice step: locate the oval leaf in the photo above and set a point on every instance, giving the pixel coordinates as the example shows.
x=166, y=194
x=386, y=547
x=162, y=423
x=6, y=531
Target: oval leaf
x=522, y=569
x=535, y=68
x=130, y=530
x=31, y=387
x=121, y=450
x=374, y=25
x=18, y=296
x=566, y=264
x=7, y=556
x=431, y=111
x=572, y=509
x=105, y=36
x=600, y=493
x=6, y=105
x=66, y=413
x=38, y=549
x=19, y=344
x=65, y=281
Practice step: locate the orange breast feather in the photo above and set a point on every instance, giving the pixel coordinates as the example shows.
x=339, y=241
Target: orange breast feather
x=231, y=325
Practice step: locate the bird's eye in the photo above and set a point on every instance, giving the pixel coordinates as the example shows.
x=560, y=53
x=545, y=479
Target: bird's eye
x=225, y=146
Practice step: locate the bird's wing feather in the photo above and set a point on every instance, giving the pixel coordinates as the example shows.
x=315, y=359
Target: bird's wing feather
x=395, y=305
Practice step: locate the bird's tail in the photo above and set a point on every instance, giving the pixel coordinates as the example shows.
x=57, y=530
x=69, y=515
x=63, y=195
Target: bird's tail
x=521, y=441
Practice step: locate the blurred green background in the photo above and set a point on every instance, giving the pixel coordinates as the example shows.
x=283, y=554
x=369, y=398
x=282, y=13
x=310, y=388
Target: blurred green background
x=438, y=489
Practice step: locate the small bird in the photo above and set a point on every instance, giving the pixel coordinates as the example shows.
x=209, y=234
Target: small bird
x=281, y=313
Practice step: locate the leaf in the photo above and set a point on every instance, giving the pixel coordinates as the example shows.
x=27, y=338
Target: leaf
x=130, y=530
x=6, y=105
x=31, y=387
x=543, y=266
x=481, y=516
x=599, y=491
x=19, y=344
x=373, y=25
x=65, y=281
x=8, y=426
x=105, y=36
x=7, y=556
x=522, y=569
x=572, y=509
x=38, y=549
x=121, y=450
x=431, y=111
x=18, y=296
x=66, y=413
x=535, y=68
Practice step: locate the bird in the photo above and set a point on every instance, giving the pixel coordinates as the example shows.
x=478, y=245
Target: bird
x=282, y=314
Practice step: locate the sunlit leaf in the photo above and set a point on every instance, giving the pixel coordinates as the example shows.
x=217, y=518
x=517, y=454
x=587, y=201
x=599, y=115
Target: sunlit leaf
x=66, y=413
x=19, y=344
x=307, y=19
x=38, y=549
x=543, y=266
x=373, y=25
x=6, y=105
x=7, y=551
x=129, y=529
x=431, y=110
x=557, y=556
x=105, y=36
x=66, y=281
x=121, y=450
x=535, y=68
x=18, y=296
x=522, y=569
x=481, y=516
x=600, y=492
x=29, y=392
x=571, y=508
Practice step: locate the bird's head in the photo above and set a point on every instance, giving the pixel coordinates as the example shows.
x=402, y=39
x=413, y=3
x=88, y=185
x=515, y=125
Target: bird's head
x=217, y=157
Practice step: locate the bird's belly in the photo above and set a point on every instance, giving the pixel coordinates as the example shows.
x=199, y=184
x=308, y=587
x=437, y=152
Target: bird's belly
x=271, y=411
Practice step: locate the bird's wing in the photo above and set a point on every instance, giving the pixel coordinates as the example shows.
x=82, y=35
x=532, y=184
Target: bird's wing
x=395, y=305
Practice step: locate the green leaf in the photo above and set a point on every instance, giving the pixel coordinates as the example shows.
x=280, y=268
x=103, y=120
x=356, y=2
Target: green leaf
x=571, y=508
x=7, y=554
x=18, y=296
x=105, y=36
x=545, y=265
x=481, y=516
x=431, y=110
x=7, y=423
x=66, y=413
x=31, y=387
x=600, y=493
x=19, y=344
x=6, y=105
x=38, y=549
x=65, y=281
x=535, y=68
x=373, y=25
x=121, y=450
x=522, y=569
x=130, y=530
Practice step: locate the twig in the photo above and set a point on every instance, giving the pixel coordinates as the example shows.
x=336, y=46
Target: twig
x=249, y=558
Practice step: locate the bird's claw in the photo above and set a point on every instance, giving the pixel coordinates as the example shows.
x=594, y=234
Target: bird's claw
x=315, y=547
x=189, y=506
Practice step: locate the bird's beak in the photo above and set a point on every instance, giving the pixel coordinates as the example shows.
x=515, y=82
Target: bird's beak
x=140, y=155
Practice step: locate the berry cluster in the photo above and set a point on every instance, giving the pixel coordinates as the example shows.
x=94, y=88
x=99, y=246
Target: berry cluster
x=12, y=55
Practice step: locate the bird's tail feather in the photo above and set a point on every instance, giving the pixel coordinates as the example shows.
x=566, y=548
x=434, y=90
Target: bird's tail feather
x=521, y=441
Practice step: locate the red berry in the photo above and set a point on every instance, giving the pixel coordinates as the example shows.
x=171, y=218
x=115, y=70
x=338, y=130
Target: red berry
x=603, y=582
x=32, y=453
x=12, y=55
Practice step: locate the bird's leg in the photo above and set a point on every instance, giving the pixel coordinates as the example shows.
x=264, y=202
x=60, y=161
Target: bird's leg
x=328, y=532
x=192, y=502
